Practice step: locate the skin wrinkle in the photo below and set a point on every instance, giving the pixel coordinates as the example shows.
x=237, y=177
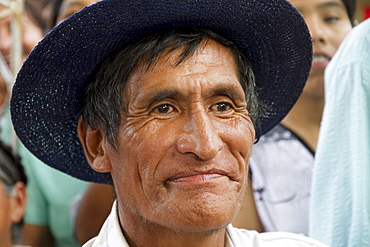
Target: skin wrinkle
x=141, y=184
x=142, y=113
x=186, y=216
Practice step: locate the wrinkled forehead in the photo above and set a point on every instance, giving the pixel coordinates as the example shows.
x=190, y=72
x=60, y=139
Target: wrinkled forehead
x=210, y=65
x=174, y=56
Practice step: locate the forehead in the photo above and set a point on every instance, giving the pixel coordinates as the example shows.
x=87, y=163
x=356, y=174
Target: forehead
x=209, y=54
x=211, y=67
x=317, y=5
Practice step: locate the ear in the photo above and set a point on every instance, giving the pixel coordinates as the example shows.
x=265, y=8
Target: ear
x=18, y=202
x=95, y=146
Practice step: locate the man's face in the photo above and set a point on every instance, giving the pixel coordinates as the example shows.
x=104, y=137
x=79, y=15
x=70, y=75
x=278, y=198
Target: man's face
x=184, y=143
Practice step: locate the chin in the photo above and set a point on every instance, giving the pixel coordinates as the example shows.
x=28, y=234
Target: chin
x=206, y=216
x=204, y=225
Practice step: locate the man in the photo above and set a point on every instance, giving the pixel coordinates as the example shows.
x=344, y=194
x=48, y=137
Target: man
x=164, y=99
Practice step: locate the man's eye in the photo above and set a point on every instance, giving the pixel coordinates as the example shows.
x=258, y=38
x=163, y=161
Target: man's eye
x=164, y=109
x=221, y=107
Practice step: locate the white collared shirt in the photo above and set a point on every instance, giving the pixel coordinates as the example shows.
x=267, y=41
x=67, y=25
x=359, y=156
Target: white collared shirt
x=111, y=235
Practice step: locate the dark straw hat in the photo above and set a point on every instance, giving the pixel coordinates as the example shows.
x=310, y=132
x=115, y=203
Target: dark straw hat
x=47, y=96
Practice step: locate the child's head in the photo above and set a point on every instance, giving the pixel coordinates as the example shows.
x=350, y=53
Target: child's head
x=12, y=193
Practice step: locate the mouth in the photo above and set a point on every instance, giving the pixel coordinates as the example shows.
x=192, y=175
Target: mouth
x=320, y=61
x=198, y=177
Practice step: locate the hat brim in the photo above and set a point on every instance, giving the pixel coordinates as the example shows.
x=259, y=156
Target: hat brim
x=46, y=98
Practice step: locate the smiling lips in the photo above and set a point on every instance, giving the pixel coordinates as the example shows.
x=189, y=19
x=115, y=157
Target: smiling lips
x=196, y=178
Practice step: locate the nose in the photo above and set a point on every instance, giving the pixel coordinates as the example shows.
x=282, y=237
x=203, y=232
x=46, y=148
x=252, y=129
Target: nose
x=316, y=30
x=200, y=136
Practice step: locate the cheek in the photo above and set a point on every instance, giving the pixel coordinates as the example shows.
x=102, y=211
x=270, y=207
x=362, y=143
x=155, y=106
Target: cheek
x=239, y=134
x=339, y=35
x=149, y=135
x=139, y=152
x=142, y=144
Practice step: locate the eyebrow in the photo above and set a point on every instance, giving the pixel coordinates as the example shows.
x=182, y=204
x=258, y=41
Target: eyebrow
x=156, y=97
x=227, y=90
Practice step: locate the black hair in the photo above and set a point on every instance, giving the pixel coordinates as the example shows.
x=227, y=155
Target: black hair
x=11, y=168
x=350, y=8
x=55, y=11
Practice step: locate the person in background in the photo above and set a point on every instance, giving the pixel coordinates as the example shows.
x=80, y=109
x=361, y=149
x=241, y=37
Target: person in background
x=47, y=218
x=13, y=196
x=283, y=160
x=340, y=208
x=34, y=29
x=68, y=7
x=56, y=11
x=156, y=102
x=51, y=12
